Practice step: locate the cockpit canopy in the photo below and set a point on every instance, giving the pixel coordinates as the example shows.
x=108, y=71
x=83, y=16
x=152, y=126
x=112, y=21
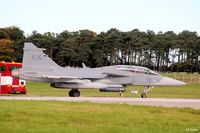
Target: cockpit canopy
x=136, y=69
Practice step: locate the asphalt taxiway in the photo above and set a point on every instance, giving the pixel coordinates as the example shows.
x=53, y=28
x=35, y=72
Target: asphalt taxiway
x=165, y=102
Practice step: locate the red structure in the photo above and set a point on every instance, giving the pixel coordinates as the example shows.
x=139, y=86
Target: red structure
x=8, y=84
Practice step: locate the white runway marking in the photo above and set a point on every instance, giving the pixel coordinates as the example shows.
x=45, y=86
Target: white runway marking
x=166, y=102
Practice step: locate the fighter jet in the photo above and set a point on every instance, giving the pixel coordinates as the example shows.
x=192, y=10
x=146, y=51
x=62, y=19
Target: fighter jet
x=37, y=66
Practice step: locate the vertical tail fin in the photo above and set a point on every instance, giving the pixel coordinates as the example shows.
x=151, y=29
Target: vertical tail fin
x=35, y=59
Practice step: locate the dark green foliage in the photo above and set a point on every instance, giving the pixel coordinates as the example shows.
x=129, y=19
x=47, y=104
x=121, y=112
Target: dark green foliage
x=162, y=51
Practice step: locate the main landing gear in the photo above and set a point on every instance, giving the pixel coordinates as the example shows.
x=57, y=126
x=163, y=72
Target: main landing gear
x=146, y=90
x=74, y=93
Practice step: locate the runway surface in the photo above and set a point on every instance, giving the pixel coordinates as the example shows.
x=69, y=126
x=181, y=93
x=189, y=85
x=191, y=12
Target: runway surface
x=166, y=102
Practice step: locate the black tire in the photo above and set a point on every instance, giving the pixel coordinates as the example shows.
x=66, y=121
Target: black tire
x=76, y=93
x=143, y=95
x=70, y=93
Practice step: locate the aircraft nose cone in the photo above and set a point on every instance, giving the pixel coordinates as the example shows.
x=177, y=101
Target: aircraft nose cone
x=170, y=82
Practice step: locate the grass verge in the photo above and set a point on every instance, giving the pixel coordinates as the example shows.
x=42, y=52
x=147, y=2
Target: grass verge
x=83, y=117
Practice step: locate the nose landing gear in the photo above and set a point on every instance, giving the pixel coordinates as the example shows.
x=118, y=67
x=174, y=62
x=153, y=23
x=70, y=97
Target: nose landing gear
x=146, y=90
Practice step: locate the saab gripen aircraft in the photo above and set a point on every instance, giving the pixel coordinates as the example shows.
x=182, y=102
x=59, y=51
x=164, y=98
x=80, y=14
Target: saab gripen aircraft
x=37, y=66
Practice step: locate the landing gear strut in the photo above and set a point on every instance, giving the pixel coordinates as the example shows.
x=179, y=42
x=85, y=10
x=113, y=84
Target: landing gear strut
x=146, y=90
x=121, y=94
x=74, y=93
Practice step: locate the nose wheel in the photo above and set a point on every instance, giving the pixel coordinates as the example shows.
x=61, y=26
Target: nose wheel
x=143, y=95
x=146, y=90
x=74, y=93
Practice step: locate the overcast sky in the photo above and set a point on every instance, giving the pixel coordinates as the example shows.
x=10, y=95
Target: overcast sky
x=101, y=15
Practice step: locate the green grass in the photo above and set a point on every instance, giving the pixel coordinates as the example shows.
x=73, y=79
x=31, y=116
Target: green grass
x=83, y=117
x=185, y=77
x=187, y=91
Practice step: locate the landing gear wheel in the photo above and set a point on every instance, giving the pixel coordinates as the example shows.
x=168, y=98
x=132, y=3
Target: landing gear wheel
x=74, y=93
x=146, y=90
x=143, y=95
x=70, y=93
